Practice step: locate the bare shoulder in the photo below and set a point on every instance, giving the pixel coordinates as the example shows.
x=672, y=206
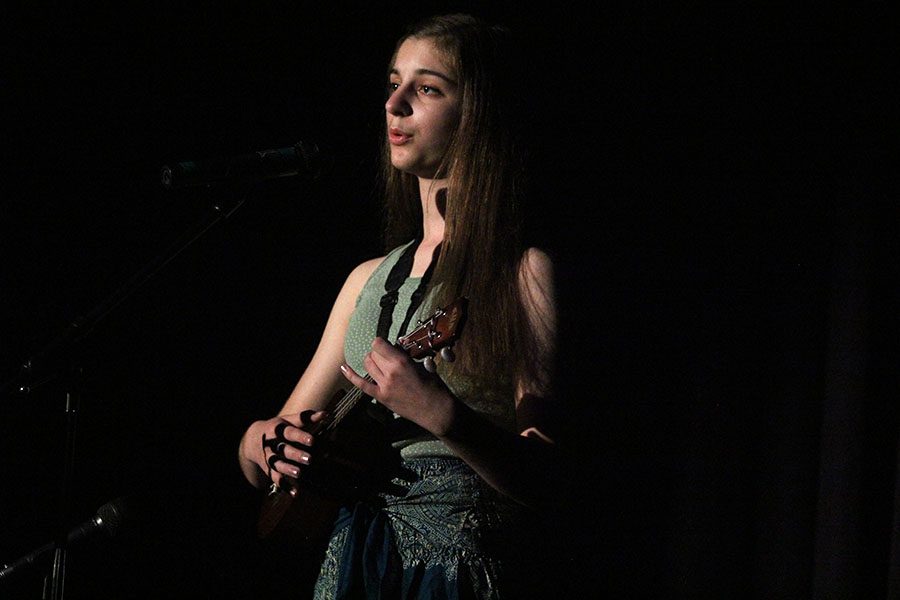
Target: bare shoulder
x=360, y=274
x=536, y=286
x=536, y=277
x=536, y=264
x=365, y=269
x=346, y=299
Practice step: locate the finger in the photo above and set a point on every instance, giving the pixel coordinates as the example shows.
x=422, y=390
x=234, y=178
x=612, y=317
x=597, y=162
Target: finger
x=278, y=464
x=372, y=367
x=293, y=428
x=272, y=462
x=298, y=419
x=387, y=357
x=295, y=436
x=383, y=348
x=285, y=483
x=383, y=353
x=296, y=456
x=367, y=387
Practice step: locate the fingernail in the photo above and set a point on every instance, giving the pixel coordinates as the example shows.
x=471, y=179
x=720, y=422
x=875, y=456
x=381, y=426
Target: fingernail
x=305, y=459
x=295, y=473
x=343, y=367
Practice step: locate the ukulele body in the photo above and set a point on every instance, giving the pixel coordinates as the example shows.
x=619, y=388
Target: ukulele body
x=350, y=463
x=352, y=455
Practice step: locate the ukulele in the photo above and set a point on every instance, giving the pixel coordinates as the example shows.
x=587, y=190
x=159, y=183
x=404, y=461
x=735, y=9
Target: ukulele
x=353, y=455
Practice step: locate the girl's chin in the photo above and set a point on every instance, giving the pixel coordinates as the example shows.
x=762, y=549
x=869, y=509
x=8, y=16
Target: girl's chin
x=421, y=171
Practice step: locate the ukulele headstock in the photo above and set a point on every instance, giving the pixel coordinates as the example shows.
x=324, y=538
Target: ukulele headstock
x=436, y=335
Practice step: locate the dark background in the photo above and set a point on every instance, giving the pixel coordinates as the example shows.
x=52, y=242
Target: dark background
x=710, y=180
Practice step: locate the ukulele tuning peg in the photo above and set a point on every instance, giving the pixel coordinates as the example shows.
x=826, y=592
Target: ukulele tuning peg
x=447, y=354
x=429, y=365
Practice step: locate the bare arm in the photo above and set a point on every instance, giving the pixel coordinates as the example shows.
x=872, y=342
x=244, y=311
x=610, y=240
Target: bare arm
x=525, y=466
x=318, y=384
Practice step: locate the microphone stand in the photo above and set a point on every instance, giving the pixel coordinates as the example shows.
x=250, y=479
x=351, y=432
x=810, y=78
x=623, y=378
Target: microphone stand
x=58, y=571
x=39, y=365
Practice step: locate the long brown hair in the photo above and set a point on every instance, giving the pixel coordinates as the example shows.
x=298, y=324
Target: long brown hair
x=482, y=249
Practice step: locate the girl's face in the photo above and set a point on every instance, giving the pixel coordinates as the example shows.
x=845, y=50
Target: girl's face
x=422, y=107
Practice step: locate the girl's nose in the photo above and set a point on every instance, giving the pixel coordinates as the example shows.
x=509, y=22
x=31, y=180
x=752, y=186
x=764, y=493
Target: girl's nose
x=397, y=105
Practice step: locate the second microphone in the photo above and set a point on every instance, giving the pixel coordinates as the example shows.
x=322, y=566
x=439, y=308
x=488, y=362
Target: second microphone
x=303, y=158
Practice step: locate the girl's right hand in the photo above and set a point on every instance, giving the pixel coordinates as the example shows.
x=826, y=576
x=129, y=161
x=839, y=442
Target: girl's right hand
x=279, y=448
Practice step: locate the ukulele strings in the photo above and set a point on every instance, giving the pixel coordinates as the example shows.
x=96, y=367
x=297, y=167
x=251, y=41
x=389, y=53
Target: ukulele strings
x=346, y=404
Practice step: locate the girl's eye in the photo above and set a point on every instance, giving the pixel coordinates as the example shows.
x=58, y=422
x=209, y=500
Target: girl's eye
x=428, y=90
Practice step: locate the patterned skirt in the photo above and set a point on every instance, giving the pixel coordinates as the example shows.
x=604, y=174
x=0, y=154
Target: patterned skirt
x=442, y=536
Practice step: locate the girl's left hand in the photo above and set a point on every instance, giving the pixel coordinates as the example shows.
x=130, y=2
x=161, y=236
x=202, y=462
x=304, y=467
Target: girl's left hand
x=405, y=387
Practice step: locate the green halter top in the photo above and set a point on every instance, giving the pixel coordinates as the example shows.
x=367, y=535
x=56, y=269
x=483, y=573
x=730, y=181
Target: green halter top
x=495, y=402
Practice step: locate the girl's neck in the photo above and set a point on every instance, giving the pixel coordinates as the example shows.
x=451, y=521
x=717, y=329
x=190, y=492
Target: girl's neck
x=434, y=197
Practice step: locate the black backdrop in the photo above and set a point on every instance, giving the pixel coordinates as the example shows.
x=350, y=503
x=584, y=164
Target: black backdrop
x=710, y=182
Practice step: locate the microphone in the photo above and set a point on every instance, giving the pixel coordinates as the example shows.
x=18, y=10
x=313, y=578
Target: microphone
x=109, y=518
x=300, y=159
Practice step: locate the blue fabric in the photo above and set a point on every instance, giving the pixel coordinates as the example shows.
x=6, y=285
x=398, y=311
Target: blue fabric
x=371, y=562
x=439, y=541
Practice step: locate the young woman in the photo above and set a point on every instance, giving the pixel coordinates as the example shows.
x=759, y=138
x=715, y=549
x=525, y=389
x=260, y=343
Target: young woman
x=476, y=440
